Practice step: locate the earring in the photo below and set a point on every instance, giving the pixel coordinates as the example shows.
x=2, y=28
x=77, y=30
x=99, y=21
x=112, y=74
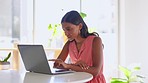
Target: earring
x=79, y=32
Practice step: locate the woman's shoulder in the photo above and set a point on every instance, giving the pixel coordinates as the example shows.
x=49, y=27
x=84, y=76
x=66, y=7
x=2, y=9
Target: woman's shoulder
x=98, y=42
x=94, y=37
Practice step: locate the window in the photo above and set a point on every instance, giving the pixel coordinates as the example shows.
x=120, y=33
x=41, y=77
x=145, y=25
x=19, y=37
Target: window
x=9, y=22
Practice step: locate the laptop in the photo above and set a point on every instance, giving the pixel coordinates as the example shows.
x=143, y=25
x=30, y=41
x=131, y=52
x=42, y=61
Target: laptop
x=35, y=60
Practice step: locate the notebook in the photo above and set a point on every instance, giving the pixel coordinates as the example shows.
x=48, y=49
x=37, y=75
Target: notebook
x=35, y=60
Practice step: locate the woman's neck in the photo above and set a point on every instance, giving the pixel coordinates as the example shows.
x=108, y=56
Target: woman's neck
x=79, y=40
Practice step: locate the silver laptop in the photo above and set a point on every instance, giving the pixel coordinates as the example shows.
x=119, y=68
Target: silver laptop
x=35, y=60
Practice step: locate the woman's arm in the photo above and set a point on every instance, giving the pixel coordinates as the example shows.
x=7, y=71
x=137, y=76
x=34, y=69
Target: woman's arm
x=97, y=56
x=64, y=53
x=62, y=56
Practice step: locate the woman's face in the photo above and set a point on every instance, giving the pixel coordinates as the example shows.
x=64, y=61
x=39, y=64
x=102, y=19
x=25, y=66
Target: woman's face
x=71, y=31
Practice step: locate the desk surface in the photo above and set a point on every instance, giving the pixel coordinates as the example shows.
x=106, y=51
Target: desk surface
x=11, y=76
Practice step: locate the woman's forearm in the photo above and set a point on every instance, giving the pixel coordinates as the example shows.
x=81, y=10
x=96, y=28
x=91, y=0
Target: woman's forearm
x=92, y=70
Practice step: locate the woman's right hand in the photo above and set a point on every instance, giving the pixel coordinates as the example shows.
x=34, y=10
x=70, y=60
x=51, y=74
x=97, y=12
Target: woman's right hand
x=59, y=63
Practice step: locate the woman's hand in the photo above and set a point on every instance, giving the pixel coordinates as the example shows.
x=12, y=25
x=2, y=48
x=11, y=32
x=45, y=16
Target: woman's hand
x=82, y=64
x=59, y=63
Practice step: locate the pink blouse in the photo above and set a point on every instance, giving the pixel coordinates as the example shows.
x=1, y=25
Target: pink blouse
x=85, y=55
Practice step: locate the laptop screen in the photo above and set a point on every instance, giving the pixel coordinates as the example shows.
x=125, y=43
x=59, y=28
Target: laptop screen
x=34, y=58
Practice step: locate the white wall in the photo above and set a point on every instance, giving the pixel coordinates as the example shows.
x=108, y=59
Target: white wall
x=135, y=33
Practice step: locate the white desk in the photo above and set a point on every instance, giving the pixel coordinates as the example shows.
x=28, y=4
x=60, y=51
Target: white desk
x=11, y=76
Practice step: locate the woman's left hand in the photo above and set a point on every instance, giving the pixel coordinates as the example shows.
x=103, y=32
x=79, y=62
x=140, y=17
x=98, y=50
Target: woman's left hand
x=82, y=64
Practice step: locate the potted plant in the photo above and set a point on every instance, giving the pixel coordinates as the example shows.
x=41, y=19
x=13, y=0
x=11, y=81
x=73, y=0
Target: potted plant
x=130, y=76
x=4, y=63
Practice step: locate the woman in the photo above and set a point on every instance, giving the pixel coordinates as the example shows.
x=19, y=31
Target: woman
x=85, y=49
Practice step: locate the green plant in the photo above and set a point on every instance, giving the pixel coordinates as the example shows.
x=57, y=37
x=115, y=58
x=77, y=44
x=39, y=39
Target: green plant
x=83, y=15
x=129, y=76
x=6, y=58
x=53, y=28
